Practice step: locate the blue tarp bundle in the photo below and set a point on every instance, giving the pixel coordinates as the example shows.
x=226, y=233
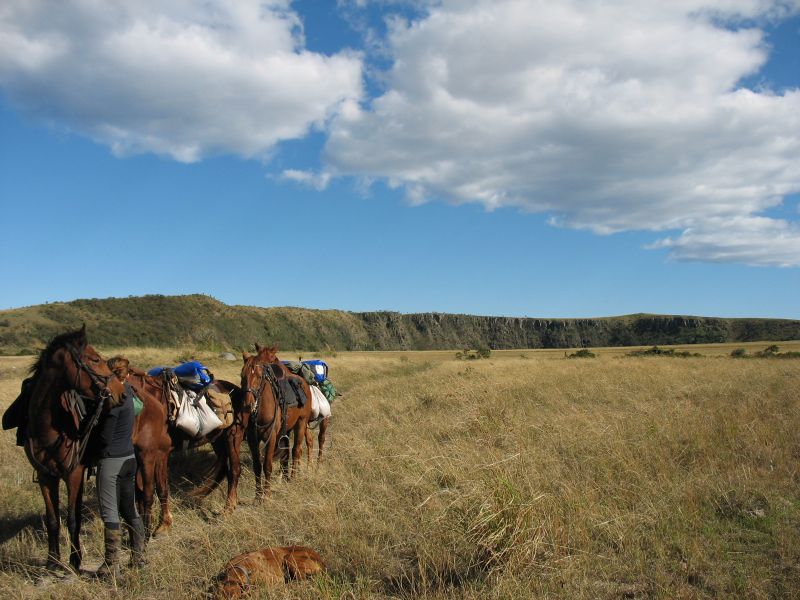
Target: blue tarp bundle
x=191, y=374
x=319, y=367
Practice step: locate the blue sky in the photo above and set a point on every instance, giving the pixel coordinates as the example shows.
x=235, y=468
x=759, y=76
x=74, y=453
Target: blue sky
x=496, y=158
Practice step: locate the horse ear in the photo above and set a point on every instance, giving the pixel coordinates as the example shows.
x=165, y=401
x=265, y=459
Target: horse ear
x=258, y=348
x=245, y=355
x=81, y=337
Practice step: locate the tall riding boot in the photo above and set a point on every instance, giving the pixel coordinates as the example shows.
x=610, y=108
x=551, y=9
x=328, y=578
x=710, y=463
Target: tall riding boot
x=110, y=567
x=136, y=529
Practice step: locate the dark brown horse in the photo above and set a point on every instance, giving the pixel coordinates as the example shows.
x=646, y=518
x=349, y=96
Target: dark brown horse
x=154, y=439
x=261, y=374
x=55, y=436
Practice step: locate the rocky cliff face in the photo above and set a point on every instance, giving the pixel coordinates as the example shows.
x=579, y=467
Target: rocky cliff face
x=205, y=322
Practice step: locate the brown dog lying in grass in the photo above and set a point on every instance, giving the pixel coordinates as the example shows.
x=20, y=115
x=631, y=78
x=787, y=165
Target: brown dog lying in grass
x=266, y=567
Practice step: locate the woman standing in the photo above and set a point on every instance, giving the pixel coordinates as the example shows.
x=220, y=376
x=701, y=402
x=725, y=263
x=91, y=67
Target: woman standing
x=116, y=477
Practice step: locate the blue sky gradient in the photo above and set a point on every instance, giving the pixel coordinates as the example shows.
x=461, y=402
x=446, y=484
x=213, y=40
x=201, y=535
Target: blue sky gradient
x=80, y=221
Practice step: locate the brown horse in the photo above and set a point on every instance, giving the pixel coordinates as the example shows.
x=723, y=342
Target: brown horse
x=55, y=437
x=154, y=439
x=261, y=376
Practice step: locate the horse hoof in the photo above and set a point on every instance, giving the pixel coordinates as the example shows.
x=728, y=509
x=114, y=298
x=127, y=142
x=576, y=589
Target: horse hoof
x=55, y=567
x=162, y=530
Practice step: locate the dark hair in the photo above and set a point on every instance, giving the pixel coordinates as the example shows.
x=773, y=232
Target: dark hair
x=119, y=365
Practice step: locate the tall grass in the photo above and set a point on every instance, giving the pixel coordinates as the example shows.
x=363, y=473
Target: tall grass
x=512, y=477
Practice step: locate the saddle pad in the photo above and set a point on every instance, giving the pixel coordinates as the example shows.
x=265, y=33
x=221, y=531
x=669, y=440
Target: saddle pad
x=292, y=392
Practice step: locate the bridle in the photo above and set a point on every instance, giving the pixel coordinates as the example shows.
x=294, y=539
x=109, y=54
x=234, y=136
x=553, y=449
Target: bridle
x=99, y=382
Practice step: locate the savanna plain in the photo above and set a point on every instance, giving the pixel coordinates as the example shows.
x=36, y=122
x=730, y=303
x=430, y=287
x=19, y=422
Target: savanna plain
x=524, y=475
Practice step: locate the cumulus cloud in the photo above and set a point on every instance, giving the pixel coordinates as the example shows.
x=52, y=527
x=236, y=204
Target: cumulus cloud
x=183, y=78
x=606, y=116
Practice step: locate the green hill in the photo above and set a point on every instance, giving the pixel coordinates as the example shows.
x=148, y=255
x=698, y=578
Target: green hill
x=202, y=321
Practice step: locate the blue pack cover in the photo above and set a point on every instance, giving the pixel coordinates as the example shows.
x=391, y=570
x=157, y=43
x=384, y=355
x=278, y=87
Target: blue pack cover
x=319, y=367
x=192, y=374
x=156, y=371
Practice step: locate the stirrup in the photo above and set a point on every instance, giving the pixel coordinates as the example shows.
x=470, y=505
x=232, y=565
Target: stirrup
x=283, y=442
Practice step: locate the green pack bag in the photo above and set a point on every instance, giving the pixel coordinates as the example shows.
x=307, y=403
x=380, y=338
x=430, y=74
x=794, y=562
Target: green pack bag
x=328, y=389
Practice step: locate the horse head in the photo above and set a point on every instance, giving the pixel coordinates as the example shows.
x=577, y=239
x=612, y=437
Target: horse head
x=72, y=363
x=256, y=372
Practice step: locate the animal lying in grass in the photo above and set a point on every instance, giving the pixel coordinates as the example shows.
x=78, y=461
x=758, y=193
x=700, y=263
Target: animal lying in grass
x=268, y=566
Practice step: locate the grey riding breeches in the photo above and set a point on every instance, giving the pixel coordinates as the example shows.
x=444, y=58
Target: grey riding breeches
x=116, y=490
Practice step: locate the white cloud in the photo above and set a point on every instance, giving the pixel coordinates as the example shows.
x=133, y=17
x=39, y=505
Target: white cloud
x=183, y=78
x=318, y=181
x=607, y=116
x=739, y=239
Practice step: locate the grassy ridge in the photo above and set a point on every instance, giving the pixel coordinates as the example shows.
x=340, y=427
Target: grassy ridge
x=202, y=321
x=522, y=476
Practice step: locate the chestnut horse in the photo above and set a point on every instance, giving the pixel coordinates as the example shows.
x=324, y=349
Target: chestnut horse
x=260, y=376
x=154, y=439
x=55, y=438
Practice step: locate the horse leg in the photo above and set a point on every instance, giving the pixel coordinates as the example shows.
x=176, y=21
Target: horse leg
x=216, y=473
x=233, y=441
x=309, y=445
x=74, y=517
x=162, y=487
x=145, y=484
x=300, y=429
x=253, y=442
x=49, y=488
x=323, y=430
x=269, y=456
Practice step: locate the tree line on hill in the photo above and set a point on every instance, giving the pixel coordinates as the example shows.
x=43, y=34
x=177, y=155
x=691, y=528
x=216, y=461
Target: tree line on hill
x=204, y=322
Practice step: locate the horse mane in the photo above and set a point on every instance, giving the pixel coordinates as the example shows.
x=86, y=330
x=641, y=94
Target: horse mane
x=76, y=338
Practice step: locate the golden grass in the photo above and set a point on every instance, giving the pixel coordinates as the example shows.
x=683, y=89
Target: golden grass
x=525, y=475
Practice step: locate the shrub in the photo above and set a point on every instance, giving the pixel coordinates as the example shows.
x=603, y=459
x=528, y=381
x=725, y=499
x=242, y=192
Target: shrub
x=656, y=351
x=468, y=354
x=769, y=351
x=582, y=353
x=738, y=353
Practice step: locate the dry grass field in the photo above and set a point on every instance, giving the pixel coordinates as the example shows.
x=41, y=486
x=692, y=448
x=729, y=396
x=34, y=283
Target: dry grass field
x=525, y=475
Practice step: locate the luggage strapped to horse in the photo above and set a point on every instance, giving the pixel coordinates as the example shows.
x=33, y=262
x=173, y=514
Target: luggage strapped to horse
x=196, y=412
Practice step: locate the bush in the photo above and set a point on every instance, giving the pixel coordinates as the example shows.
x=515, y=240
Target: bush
x=582, y=353
x=468, y=354
x=656, y=351
x=738, y=353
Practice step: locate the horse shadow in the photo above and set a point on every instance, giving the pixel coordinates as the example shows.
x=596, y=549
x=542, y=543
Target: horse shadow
x=11, y=527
